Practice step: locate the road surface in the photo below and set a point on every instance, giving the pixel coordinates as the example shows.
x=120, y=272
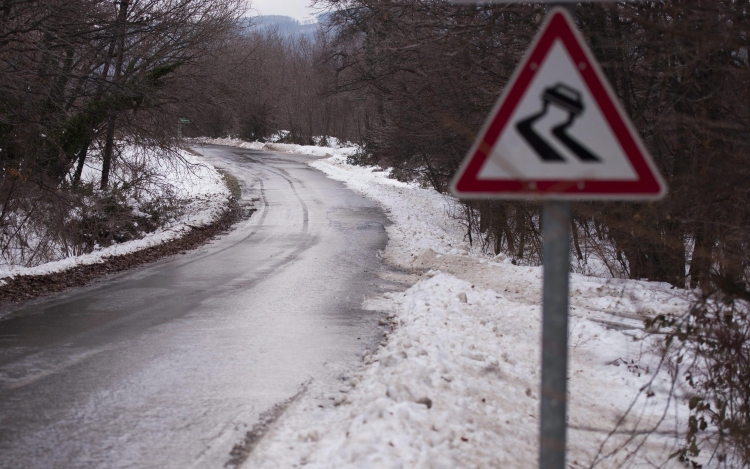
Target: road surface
x=170, y=365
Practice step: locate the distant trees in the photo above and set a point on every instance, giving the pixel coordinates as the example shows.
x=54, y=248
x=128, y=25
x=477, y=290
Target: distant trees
x=264, y=82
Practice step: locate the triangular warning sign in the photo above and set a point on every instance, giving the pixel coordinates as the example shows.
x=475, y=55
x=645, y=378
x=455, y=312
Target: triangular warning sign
x=558, y=131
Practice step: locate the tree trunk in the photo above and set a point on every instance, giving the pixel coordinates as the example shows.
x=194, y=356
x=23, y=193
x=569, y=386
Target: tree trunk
x=574, y=231
x=81, y=160
x=108, y=150
x=111, y=118
x=700, y=265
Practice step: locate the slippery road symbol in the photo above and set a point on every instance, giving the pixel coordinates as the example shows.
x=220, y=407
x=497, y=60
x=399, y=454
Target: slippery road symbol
x=558, y=131
x=568, y=99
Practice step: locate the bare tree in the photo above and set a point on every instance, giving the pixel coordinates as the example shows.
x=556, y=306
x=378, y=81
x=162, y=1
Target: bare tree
x=84, y=74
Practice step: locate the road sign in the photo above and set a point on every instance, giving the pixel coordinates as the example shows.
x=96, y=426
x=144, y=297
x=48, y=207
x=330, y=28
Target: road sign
x=558, y=131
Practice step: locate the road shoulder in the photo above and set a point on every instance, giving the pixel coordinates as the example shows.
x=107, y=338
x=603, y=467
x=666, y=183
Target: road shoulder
x=22, y=288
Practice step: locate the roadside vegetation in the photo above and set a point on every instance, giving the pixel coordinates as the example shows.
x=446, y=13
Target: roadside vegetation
x=88, y=118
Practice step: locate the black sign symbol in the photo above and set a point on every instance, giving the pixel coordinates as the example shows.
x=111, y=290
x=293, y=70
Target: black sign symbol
x=569, y=99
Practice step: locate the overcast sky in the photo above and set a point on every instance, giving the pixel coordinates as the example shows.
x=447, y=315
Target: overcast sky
x=297, y=9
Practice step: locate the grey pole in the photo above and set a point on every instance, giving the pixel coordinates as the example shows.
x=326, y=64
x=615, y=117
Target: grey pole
x=556, y=219
x=556, y=230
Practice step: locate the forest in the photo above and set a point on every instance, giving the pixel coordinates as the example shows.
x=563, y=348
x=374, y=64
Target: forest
x=411, y=81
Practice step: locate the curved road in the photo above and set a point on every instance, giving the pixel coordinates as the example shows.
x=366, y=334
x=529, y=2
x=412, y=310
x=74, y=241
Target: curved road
x=170, y=365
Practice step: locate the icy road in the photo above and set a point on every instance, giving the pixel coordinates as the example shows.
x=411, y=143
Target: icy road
x=169, y=366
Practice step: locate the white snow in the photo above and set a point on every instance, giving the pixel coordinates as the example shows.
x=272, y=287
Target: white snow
x=335, y=147
x=193, y=181
x=456, y=383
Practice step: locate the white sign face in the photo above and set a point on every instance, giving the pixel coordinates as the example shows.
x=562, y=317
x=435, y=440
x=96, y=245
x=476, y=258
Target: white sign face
x=550, y=115
x=558, y=131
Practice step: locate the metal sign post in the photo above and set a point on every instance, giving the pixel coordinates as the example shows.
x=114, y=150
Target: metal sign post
x=556, y=222
x=556, y=134
x=556, y=259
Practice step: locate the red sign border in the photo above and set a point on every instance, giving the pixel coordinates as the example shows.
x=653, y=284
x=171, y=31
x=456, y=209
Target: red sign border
x=648, y=186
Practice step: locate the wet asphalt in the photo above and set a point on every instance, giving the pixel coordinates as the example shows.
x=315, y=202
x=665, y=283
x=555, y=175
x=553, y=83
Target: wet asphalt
x=168, y=366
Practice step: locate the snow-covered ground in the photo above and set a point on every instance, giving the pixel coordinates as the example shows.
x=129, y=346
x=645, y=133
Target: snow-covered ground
x=195, y=183
x=334, y=147
x=456, y=381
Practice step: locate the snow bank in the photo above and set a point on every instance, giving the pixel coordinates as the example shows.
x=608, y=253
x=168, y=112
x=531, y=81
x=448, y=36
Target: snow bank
x=331, y=150
x=456, y=384
x=193, y=180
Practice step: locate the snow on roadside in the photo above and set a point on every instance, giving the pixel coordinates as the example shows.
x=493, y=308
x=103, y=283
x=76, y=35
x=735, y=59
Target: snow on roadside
x=334, y=149
x=196, y=182
x=456, y=383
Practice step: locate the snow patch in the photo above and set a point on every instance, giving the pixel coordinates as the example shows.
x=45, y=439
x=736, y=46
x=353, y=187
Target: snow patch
x=334, y=148
x=193, y=180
